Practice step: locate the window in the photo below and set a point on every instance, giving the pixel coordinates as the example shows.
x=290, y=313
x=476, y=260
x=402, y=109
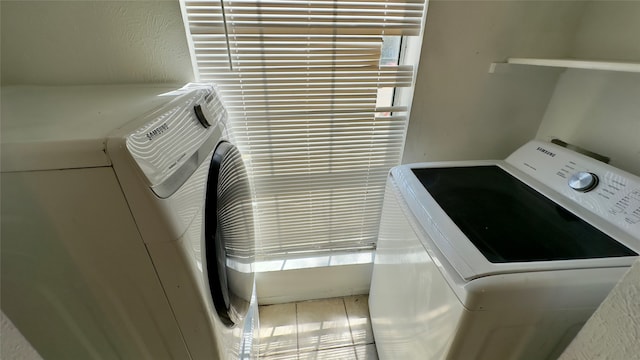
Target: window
x=390, y=56
x=309, y=86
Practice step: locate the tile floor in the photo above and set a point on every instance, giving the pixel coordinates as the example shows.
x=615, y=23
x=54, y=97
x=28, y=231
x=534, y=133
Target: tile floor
x=327, y=329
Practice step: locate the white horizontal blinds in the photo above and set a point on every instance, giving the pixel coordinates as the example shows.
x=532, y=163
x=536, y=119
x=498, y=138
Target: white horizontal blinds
x=300, y=80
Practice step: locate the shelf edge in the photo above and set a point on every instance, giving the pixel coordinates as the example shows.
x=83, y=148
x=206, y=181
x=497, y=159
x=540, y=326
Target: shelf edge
x=578, y=64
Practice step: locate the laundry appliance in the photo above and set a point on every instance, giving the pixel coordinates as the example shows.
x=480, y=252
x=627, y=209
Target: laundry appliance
x=127, y=224
x=499, y=259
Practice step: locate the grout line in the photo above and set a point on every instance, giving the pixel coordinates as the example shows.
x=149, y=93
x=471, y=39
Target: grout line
x=353, y=341
x=331, y=348
x=346, y=313
x=297, y=334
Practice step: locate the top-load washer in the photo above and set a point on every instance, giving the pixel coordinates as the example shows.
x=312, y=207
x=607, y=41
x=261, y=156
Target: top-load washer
x=499, y=259
x=127, y=224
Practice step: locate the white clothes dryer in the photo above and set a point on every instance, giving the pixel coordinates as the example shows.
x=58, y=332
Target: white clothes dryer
x=127, y=224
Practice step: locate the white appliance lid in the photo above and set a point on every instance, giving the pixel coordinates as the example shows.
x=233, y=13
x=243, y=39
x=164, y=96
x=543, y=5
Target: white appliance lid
x=62, y=127
x=448, y=243
x=510, y=222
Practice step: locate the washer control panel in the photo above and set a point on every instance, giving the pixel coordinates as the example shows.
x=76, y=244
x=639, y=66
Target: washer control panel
x=609, y=192
x=628, y=206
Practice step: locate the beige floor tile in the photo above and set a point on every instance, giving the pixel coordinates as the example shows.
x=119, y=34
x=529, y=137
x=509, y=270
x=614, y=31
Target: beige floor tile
x=322, y=324
x=290, y=356
x=343, y=353
x=366, y=352
x=359, y=320
x=278, y=331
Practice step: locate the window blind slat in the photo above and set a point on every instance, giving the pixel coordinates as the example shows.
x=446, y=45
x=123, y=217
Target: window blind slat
x=300, y=81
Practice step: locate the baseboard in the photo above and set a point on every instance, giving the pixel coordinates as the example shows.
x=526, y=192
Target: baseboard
x=283, y=286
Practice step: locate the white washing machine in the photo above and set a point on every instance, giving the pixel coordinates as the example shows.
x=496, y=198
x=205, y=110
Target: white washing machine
x=499, y=259
x=127, y=224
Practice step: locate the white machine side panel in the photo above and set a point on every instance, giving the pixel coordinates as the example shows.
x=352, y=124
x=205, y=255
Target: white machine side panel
x=408, y=289
x=70, y=253
x=180, y=267
x=181, y=273
x=161, y=218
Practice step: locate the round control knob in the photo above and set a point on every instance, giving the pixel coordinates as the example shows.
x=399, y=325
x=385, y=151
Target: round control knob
x=201, y=116
x=583, y=181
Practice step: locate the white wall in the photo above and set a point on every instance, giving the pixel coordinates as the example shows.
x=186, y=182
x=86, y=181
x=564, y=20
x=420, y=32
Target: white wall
x=599, y=110
x=319, y=282
x=614, y=329
x=460, y=111
x=609, y=30
x=93, y=42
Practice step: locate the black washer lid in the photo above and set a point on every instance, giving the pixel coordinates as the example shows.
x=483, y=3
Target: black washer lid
x=508, y=221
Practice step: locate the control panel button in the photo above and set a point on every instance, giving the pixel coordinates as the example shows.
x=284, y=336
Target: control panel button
x=583, y=181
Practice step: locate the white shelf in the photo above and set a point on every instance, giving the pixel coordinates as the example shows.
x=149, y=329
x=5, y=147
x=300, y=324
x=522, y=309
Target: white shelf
x=568, y=63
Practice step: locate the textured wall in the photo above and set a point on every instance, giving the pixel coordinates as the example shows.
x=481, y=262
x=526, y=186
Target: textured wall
x=460, y=111
x=13, y=345
x=93, y=42
x=599, y=110
x=609, y=30
x=613, y=332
